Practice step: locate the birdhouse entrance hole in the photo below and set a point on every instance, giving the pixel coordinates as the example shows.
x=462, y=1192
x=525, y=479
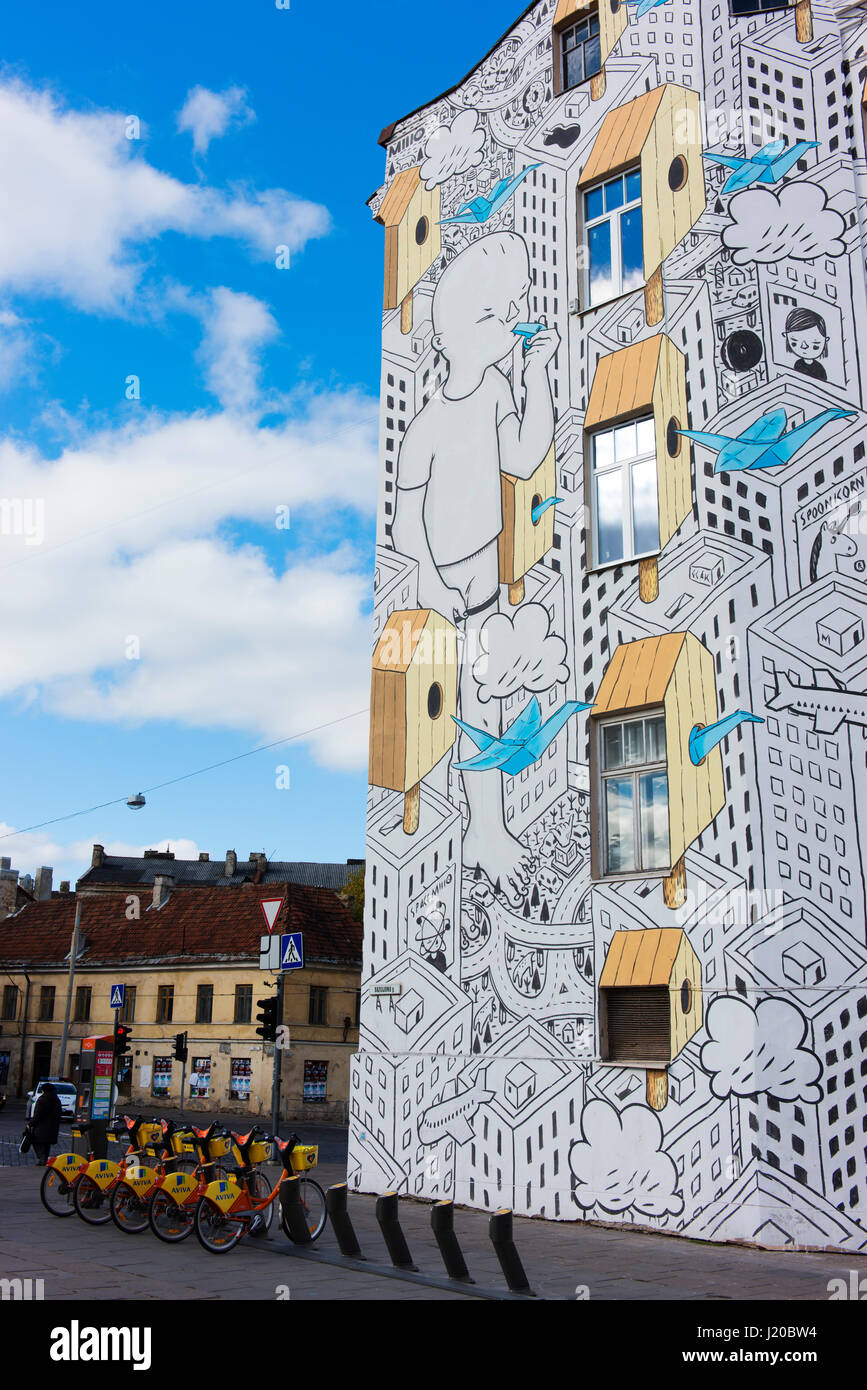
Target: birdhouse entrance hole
x=536, y=502
x=422, y=227
x=435, y=700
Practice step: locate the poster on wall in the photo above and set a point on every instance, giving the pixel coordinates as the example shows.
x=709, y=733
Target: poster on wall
x=315, y=1081
x=162, y=1076
x=239, y=1084
x=200, y=1078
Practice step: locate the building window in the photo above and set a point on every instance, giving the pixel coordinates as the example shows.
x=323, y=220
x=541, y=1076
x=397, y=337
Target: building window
x=580, y=51
x=165, y=1003
x=82, y=1004
x=241, y=1072
x=46, y=1004
x=315, y=1082
x=739, y=7
x=127, y=1013
x=162, y=1076
x=634, y=794
x=10, y=1001
x=204, y=1003
x=625, y=498
x=200, y=1078
x=243, y=1003
x=612, y=226
x=317, y=1012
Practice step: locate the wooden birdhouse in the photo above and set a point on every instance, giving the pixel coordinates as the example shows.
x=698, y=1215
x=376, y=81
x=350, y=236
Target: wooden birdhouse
x=650, y=1002
x=410, y=215
x=651, y=801
x=413, y=697
x=523, y=541
x=611, y=18
x=660, y=135
x=646, y=380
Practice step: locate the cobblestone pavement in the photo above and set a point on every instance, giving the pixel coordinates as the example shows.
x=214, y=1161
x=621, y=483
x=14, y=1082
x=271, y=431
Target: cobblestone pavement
x=82, y=1262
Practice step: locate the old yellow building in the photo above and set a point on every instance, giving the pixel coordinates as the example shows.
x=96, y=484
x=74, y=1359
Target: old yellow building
x=189, y=961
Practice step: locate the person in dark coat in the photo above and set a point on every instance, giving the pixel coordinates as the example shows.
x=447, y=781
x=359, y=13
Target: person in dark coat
x=45, y=1123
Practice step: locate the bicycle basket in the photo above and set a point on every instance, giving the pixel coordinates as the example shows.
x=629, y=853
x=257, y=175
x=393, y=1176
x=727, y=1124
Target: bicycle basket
x=259, y=1152
x=220, y=1145
x=305, y=1156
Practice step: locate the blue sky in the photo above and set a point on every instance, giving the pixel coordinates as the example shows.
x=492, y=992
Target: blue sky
x=159, y=612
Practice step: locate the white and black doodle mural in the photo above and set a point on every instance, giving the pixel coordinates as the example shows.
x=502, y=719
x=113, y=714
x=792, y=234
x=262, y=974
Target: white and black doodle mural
x=615, y=945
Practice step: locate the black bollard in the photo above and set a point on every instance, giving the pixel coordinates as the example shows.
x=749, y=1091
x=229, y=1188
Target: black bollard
x=335, y=1205
x=389, y=1224
x=500, y=1231
x=442, y=1220
x=294, y=1220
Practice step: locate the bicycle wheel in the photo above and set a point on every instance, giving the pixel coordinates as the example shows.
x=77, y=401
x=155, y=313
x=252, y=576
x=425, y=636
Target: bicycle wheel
x=92, y=1202
x=129, y=1212
x=58, y=1195
x=260, y=1190
x=168, y=1220
x=313, y=1203
x=216, y=1230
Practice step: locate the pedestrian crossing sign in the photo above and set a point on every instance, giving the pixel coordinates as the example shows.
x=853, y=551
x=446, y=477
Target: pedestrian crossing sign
x=116, y=997
x=292, y=950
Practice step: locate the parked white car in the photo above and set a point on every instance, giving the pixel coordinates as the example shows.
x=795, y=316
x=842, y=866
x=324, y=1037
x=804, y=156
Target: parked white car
x=66, y=1094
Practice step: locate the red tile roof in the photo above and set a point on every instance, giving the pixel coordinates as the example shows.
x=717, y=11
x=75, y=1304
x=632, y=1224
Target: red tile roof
x=205, y=924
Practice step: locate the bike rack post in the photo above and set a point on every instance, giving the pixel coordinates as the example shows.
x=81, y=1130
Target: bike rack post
x=293, y=1211
x=442, y=1220
x=389, y=1224
x=500, y=1231
x=335, y=1205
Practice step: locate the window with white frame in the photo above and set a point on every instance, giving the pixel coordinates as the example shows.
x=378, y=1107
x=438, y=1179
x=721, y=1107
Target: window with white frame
x=634, y=801
x=580, y=51
x=612, y=228
x=624, y=494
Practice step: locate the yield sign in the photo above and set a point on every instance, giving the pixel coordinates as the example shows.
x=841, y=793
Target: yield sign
x=271, y=908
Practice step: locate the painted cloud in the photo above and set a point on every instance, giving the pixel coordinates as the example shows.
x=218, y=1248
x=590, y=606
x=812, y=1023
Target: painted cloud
x=519, y=654
x=796, y=223
x=619, y=1163
x=759, y=1050
x=453, y=149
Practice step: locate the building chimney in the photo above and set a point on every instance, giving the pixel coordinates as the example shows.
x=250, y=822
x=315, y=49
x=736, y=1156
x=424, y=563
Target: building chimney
x=163, y=885
x=43, y=883
x=98, y=857
x=5, y=864
x=64, y=885
x=231, y=864
x=204, y=859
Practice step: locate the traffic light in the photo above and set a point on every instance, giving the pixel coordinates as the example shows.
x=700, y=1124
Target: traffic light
x=267, y=1016
x=122, y=1043
x=180, y=1052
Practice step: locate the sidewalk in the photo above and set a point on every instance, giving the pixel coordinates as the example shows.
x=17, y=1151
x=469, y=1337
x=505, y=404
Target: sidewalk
x=82, y=1262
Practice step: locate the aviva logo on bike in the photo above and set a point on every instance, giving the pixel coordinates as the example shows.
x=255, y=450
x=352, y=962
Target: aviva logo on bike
x=222, y=1193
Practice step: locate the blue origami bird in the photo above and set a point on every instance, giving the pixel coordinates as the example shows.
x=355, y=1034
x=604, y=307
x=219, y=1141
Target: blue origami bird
x=764, y=444
x=481, y=209
x=770, y=163
x=703, y=739
x=540, y=510
x=644, y=6
x=522, y=744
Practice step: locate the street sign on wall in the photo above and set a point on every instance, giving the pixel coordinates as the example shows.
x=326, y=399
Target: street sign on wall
x=292, y=950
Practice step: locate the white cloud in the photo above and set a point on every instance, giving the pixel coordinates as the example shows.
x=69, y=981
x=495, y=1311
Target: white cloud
x=453, y=149
x=519, y=653
x=135, y=547
x=29, y=850
x=207, y=115
x=619, y=1163
x=80, y=204
x=237, y=328
x=797, y=223
x=754, y=1051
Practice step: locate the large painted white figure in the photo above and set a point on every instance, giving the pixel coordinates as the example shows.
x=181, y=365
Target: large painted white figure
x=449, y=508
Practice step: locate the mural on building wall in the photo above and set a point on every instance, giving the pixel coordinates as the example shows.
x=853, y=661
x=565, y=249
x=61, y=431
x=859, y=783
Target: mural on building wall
x=615, y=949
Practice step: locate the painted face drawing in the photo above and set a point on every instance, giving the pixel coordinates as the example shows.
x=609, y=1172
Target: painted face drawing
x=807, y=339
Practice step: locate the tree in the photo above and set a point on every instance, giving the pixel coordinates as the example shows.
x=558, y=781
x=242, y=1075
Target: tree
x=353, y=894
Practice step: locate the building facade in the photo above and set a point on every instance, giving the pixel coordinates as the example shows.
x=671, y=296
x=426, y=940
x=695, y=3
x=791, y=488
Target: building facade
x=615, y=944
x=189, y=961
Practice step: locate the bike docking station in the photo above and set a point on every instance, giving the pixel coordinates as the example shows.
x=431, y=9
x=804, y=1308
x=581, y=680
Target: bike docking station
x=402, y=1266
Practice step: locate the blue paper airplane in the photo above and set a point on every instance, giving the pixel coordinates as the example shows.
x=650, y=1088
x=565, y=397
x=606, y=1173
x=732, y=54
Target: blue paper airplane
x=481, y=209
x=522, y=744
x=528, y=330
x=766, y=443
x=644, y=6
x=772, y=162
x=542, y=508
x=702, y=740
